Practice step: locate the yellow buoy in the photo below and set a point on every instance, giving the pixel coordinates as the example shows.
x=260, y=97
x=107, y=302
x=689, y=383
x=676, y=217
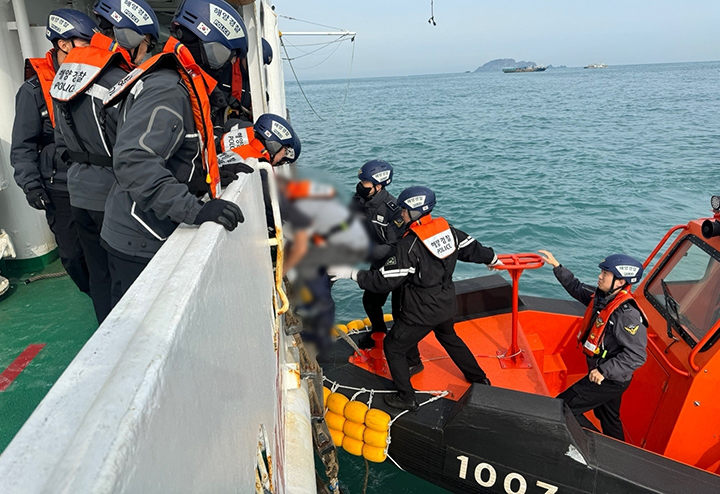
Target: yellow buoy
x=336, y=402
x=367, y=322
x=355, y=411
x=337, y=437
x=355, y=325
x=354, y=430
x=377, y=420
x=326, y=393
x=353, y=446
x=342, y=327
x=387, y=317
x=375, y=438
x=334, y=421
x=371, y=453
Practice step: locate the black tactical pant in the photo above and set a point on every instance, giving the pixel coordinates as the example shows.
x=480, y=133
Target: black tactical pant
x=401, y=351
x=124, y=270
x=89, y=224
x=603, y=399
x=373, y=304
x=60, y=220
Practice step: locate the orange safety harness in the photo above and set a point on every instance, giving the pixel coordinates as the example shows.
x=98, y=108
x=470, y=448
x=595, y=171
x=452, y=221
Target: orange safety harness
x=199, y=85
x=595, y=322
x=44, y=69
x=435, y=234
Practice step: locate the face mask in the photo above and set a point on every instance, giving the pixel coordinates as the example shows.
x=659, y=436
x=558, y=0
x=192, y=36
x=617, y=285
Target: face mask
x=363, y=191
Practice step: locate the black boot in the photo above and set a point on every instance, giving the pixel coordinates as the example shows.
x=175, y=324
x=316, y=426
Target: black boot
x=416, y=369
x=395, y=401
x=366, y=341
x=485, y=381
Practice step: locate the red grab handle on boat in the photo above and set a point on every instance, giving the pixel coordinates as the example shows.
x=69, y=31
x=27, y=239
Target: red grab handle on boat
x=513, y=262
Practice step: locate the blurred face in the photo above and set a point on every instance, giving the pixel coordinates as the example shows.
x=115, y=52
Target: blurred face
x=405, y=216
x=142, y=49
x=605, y=282
x=66, y=45
x=279, y=155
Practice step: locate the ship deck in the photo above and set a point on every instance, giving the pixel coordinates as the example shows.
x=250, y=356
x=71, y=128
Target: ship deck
x=43, y=325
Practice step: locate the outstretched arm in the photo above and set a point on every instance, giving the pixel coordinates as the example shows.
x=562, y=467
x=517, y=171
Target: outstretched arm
x=578, y=290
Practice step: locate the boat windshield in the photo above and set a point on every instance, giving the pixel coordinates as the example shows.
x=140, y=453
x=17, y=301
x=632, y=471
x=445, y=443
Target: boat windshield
x=692, y=286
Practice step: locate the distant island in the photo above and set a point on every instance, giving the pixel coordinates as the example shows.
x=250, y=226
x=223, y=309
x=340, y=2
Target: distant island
x=502, y=63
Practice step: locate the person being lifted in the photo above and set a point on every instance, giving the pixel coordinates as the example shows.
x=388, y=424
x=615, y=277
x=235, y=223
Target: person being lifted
x=384, y=225
x=129, y=28
x=165, y=157
x=423, y=266
x=38, y=171
x=272, y=140
x=613, y=336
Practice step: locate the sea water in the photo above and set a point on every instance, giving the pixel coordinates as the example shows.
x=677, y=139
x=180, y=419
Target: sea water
x=581, y=162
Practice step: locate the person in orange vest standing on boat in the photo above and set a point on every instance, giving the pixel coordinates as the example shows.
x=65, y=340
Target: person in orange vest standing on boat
x=422, y=267
x=165, y=159
x=86, y=130
x=613, y=336
x=38, y=171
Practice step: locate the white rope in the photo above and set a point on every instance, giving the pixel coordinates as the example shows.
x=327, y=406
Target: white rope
x=372, y=392
x=500, y=357
x=336, y=386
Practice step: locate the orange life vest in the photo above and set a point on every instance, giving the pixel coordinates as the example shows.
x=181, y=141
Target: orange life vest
x=44, y=69
x=84, y=64
x=307, y=189
x=435, y=234
x=254, y=149
x=594, y=322
x=199, y=85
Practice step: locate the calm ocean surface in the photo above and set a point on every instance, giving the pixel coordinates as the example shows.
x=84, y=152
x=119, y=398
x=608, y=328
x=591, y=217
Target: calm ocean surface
x=583, y=163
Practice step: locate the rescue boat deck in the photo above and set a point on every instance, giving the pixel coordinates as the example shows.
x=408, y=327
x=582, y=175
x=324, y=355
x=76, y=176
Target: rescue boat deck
x=43, y=325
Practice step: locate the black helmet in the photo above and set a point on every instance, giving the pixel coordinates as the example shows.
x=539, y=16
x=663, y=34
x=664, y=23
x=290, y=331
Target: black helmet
x=378, y=172
x=68, y=24
x=623, y=267
x=418, y=201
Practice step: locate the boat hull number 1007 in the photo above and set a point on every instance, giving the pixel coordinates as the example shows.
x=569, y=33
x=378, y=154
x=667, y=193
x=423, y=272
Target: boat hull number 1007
x=477, y=472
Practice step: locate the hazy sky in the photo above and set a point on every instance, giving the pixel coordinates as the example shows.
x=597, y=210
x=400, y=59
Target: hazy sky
x=394, y=37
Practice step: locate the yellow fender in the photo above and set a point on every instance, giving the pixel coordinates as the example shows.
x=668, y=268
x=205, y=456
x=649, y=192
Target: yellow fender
x=354, y=430
x=334, y=421
x=355, y=325
x=355, y=411
x=353, y=446
x=326, y=393
x=337, y=437
x=375, y=438
x=377, y=420
x=387, y=317
x=336, y=402
x=371, y=453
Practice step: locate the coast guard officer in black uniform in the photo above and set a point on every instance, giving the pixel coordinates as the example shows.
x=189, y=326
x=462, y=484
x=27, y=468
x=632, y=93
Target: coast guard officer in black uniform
x=613, y=336
x=39, y=171
x=422, y=266
x=385, y=227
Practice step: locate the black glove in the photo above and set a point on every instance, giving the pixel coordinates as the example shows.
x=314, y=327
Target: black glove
x=229, y=171
x=38, y=198
x=226, y=213
x=238, y=168
x=227, y=176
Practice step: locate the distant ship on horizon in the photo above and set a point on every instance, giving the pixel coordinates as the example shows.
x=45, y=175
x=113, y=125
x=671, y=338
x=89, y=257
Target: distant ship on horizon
x=596, y=66
x=536, y=68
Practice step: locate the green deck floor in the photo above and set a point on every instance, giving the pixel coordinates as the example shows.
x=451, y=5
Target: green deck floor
x=53, y=312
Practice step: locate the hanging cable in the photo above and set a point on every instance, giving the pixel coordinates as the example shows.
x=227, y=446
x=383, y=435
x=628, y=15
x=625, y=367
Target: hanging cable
x=432, y=13
x=347, y=85
x=308, y=22
x=323, y=45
